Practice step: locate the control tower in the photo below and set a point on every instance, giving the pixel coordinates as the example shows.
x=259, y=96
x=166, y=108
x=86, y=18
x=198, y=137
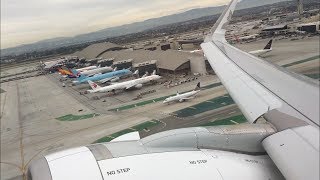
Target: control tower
x=300, y=7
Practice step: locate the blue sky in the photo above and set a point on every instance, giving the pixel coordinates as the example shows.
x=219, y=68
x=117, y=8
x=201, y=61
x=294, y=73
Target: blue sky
x=27, y=21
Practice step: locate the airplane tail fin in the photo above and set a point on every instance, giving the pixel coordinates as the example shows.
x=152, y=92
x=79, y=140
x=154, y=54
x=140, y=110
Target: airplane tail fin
x=78, y=74
x=136, y=72
x=93, y=85
x=154, y=72
x=61, y=71
x=268, y=46
x=146, y=74
x=197, y=87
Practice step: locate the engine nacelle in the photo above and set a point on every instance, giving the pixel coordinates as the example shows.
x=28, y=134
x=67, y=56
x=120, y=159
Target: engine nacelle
x=138, y=86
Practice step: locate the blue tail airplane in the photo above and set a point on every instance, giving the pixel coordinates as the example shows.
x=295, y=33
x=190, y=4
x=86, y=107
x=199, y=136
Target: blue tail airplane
x=101, y=77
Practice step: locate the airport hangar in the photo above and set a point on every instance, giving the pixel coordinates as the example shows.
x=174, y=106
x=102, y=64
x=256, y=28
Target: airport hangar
x=164, y=61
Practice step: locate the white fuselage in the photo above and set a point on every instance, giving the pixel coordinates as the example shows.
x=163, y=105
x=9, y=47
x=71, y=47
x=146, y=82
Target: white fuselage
x=181, y=97
x=260, y=52
x=97, y=70
x=253, y=36
x=127, y=84
x=86, y=68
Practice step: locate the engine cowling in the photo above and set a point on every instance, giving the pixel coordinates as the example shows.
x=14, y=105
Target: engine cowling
x=138, y=86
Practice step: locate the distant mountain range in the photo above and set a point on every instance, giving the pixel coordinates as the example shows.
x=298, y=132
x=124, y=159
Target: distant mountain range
x=128, y=28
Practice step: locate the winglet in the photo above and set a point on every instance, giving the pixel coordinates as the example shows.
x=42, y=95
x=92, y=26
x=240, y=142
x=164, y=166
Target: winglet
x=217, y=32
x=154, y=72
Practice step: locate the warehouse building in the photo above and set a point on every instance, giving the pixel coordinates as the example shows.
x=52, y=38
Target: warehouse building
x=275, y=30
x=95, y=50
x=105, y=62
x=167, y=61
x=123, y=64
x=309, y=27
x=148, y=66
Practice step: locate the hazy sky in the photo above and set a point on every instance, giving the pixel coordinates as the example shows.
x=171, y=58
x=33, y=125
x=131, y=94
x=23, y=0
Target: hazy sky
x=27, y=21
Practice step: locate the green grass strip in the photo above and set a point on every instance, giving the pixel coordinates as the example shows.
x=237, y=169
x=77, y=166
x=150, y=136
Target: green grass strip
x=138, y=127
x=302, y=61
x=156, y=99
x=227, y=121
x=313, y=76
x=71, y=117
x=205, y=106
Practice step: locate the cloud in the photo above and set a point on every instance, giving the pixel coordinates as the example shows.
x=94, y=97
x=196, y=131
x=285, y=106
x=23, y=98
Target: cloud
x=27, y=21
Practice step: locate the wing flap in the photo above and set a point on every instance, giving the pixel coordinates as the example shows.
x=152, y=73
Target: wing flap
x=252, y=98
x=282, y=83
x=295, y=152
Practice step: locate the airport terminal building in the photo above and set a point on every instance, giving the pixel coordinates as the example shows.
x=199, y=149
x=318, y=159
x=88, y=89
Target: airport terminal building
x=167, y=62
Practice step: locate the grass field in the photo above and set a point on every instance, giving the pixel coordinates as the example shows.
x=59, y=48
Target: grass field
x=71, y=117
x=205, y=106
x=302, y=61
x=121, y=108
x=139, y=127
x=227, y=121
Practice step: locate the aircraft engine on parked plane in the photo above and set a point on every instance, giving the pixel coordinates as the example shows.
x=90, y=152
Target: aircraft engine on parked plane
x=138, y=86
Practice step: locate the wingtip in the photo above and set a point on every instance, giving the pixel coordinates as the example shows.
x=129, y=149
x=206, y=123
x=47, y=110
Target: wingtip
x=218, y=30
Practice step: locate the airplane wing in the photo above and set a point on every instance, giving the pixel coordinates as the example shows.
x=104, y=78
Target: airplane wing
x=93, y=74
x=131, y=85
x=186, y=98
x=287, y=100
x=107, y=79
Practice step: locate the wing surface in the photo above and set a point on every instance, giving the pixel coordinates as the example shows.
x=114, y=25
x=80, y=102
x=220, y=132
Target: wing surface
x=288, y=100
x=106, y=80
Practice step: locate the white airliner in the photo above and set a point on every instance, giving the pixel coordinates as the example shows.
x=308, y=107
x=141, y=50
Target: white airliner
x=249, y=37
x=184, y=96
x=263, y=51
x=135, y=83
x=86, y=68
x=98, y=70
x=286, y=146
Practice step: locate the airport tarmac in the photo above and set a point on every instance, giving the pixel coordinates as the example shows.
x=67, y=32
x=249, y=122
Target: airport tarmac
x=29, y=108
x=285, y=51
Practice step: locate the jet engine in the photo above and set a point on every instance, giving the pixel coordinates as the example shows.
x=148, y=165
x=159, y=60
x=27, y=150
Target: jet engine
x=138, y=86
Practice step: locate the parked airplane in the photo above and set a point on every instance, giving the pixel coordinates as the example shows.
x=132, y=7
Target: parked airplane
x=67, y=73
x=91, y=72
x=184, y=96
x=103, y=77
x=86, y=68
x=286, y=146
x=249, y=37
x=135, y=83
x=50, y=64
x=63, y=71
x=265, y=50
